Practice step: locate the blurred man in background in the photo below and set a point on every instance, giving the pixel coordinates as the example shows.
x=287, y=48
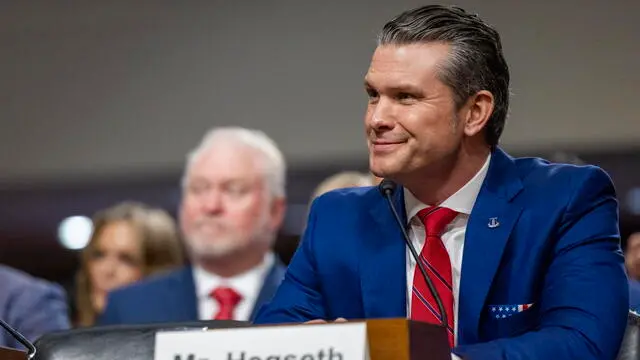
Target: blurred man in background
x=376, y=180
x=632, y=264
x=233, y=204
x=32, y=306
x=341, y=180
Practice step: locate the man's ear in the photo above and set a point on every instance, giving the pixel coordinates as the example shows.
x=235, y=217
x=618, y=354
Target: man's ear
x=278, y=212
x=477, y=112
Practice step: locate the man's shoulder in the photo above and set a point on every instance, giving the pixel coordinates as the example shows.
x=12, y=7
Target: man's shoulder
x=351, y=197
x=278, y=267
x=14, y=280
x=541, y=174
x=153, y=286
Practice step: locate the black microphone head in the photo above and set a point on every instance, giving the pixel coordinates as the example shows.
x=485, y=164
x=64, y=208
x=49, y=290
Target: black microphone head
x=387, y=186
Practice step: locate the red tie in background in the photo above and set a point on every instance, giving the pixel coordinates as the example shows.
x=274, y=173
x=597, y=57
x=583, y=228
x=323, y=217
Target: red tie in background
x=227, y=299
x=436, y=261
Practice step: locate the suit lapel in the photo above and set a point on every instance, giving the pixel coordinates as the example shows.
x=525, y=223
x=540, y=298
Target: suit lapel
x=271, y=283
x=490, y=224
x=382, y=264
x=184, y=306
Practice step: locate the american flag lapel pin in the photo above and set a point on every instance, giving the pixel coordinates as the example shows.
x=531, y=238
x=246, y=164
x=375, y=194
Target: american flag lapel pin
x=524, y=307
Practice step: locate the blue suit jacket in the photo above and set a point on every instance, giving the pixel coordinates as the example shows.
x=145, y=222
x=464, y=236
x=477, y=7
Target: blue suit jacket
x=170, y=298
x=32, y=306
x=634, y=295
x=556, y=246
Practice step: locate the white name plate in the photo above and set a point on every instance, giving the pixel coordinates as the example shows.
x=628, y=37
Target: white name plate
x=342, y=341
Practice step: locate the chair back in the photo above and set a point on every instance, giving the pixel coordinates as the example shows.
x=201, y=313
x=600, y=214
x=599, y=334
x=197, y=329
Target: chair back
x=133, y=342
x=630, y=349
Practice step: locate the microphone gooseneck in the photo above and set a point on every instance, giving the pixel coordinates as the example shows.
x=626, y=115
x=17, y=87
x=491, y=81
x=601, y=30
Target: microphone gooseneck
x=387, y=188
x=31, y=350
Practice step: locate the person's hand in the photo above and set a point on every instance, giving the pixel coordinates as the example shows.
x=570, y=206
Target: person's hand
x=321, y=321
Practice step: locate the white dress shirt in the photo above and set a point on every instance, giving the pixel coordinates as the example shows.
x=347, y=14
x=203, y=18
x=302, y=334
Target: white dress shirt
x=247, y=284
x=453, y=237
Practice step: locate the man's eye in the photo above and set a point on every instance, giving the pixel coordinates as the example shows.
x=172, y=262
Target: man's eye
x=198, y=188
x=236, y=190
x=372, y=94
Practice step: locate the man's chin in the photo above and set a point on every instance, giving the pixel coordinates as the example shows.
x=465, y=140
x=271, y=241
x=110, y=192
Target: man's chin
x=212, y=252
x=383, y=172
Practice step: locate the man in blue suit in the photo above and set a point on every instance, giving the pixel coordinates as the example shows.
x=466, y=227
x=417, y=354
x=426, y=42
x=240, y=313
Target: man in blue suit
x=32, y=306
x=524, y=254
x=632, y=264
x=232, y=207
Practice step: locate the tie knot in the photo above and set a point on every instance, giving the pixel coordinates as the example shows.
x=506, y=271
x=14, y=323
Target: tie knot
x=226, y=297
x=436, y=218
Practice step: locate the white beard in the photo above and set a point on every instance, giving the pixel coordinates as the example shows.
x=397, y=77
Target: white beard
x=201, y=247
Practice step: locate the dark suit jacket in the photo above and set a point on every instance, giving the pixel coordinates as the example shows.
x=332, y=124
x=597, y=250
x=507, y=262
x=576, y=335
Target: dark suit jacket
x=32, y=306
x=556, y=246
x=171, y=298
x=634, y=295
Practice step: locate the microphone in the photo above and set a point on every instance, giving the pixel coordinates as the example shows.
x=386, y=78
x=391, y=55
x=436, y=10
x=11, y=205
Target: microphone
x=387, y=188
x=31, y=349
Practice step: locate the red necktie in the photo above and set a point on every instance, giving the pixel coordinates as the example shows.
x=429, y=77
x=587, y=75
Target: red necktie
x=435, y=259
x=227, y=299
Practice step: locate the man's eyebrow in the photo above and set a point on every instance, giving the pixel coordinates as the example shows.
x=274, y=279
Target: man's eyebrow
x=410, y=88
x=406, y=88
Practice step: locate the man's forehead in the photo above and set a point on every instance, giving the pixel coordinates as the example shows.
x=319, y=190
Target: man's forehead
x=227, y=150
x=226, y=161
x=397, y=61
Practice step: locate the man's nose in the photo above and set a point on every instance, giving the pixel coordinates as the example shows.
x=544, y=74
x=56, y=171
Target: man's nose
x=382, y=115
x=212, y=203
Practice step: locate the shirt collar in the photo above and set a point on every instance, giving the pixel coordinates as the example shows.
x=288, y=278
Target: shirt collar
x=461, y=201
x=246, y=284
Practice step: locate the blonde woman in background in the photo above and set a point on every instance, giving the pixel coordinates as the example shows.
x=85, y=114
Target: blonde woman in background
x=130, y=241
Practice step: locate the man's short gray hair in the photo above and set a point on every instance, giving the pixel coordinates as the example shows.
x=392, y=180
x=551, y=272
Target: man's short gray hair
x=273, y=159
